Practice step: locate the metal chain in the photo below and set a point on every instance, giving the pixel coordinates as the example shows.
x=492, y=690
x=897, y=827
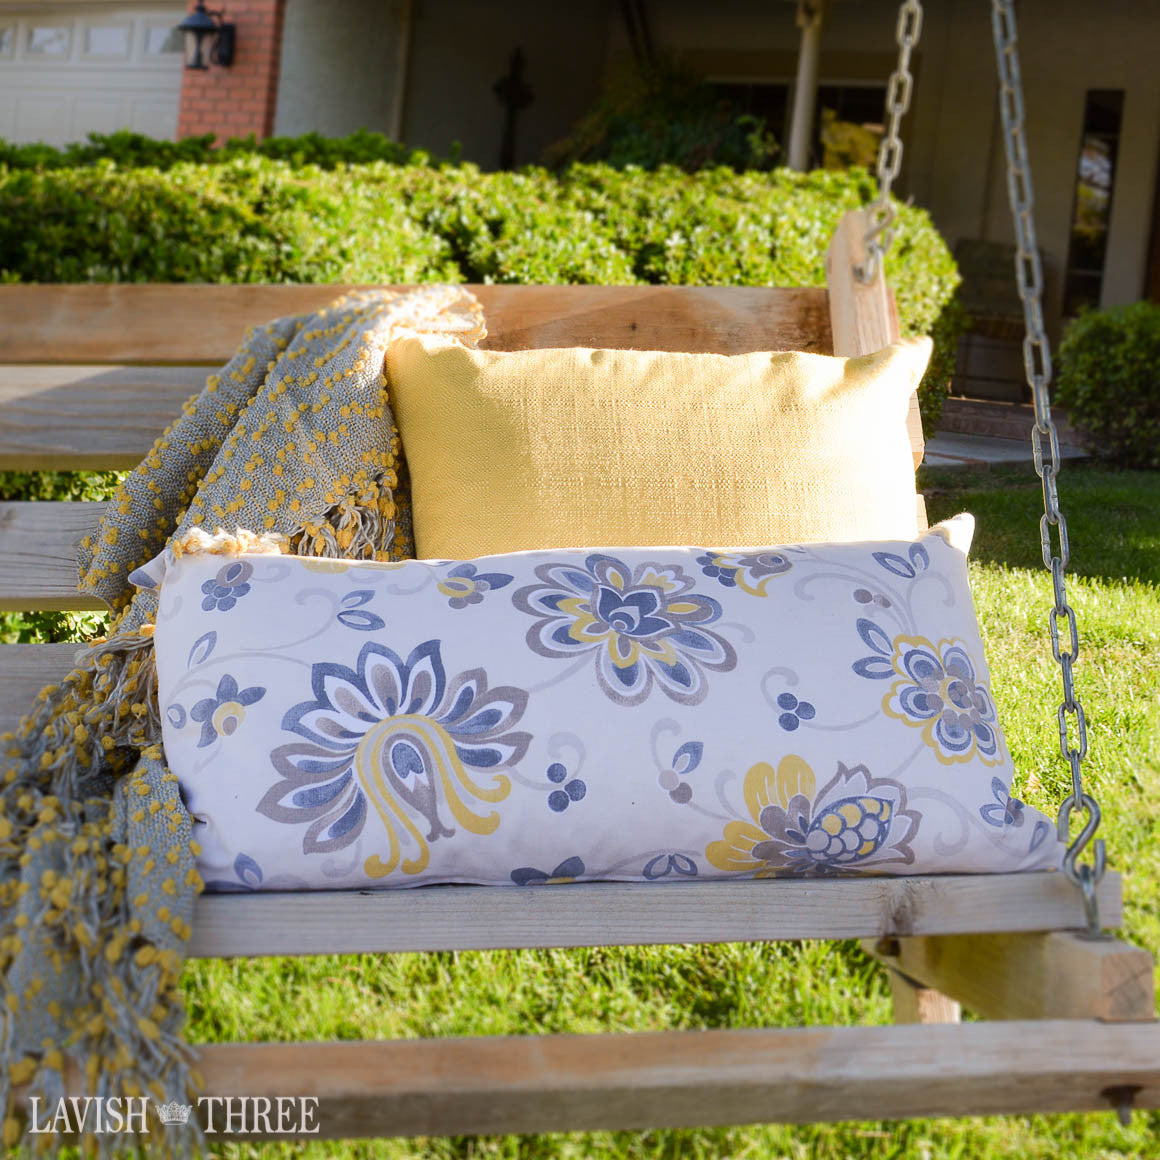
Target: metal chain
x=1037, y=364
x=898, y=94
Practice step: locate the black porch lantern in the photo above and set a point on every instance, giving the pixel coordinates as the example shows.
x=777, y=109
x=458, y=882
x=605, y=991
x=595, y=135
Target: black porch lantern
x=207, y=38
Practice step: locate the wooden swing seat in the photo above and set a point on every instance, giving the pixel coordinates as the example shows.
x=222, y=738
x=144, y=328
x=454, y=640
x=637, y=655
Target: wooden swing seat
x=90, y=376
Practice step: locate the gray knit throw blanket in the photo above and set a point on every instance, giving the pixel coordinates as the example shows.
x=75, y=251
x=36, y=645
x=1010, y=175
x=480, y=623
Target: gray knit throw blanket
x=97, y=863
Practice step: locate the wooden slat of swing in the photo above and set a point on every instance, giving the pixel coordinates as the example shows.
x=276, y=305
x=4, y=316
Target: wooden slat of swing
x=38, y=555
x=681, y=1079
x=1048, y=975
x=98, y=418
x=87, y=418
x=73, y=417
x=167, y=324
x=697, y=1078
x=25, y=669
x=634, y=914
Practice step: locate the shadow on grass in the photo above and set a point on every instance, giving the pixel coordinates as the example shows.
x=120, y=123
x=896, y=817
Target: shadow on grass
x=1113, y=517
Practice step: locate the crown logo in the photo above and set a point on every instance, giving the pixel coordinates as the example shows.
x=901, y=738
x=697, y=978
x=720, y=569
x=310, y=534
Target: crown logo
x=173, y=1112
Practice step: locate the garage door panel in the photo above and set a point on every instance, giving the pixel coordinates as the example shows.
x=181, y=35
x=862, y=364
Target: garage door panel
x=107, y=41
x=87, y=68
x=102, y=115
x=43, y=117
x=153, y=118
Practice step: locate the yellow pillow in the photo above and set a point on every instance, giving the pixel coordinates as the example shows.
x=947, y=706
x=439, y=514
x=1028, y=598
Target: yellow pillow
x=574, y=447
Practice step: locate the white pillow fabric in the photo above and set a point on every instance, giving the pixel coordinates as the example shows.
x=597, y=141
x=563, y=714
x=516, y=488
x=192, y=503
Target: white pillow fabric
x=638, y=714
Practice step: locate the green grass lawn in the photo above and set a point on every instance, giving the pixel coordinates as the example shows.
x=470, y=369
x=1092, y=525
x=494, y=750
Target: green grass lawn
x=1115, y=528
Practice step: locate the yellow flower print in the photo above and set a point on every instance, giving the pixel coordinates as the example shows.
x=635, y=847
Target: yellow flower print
x=856, y=823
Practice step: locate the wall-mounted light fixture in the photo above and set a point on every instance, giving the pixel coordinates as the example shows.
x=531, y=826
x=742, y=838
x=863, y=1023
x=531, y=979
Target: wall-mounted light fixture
x=208, y=39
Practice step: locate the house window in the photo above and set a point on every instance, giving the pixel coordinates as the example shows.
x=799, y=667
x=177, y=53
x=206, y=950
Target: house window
x=161, y=39
x=107, y=40
x=1095, y=180
x=7, y=39
x=847, y=126
x=47, y=40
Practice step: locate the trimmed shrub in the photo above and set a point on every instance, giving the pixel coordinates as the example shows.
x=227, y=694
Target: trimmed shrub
x=1109, y=381
x=252, y=219
x=130, y=150
x=196, y=216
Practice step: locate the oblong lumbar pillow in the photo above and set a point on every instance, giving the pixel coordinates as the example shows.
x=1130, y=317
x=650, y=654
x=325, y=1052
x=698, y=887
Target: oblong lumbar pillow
x=639, y=714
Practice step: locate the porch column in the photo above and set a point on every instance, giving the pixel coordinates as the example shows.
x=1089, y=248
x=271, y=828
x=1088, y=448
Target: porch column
x=805, y=98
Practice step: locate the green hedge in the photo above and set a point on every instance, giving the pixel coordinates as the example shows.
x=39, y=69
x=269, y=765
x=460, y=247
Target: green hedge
x=253, y=219
x=135, y=151
x=1109, y=381
x=81, y=215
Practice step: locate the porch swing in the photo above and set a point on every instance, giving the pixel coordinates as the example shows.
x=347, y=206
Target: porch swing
x=1074, y=1018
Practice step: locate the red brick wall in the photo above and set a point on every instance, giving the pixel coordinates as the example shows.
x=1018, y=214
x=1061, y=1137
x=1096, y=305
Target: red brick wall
x=240, y=99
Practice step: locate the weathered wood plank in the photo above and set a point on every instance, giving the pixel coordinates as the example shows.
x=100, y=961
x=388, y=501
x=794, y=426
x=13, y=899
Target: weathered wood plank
x=87, y=418
x=38, y=553
x=98, y=416
x=25, y=669
x=1057, y=975
x=914, y=1004
x=682, y=1079
x=863, y=317
x=151, y=323
x=630, y=914
x=673, y=1079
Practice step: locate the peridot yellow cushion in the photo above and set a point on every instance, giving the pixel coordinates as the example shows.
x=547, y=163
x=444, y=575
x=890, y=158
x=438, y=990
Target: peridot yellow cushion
x=574, y=447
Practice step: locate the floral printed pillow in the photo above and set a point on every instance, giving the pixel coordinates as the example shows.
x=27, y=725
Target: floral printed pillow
x=640, y=714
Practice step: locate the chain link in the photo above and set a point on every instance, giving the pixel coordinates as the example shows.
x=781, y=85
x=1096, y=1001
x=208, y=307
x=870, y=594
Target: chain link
x=898, y=93
x=1037, y=364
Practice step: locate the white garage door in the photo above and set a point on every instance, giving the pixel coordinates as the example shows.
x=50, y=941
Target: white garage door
x=67, y=70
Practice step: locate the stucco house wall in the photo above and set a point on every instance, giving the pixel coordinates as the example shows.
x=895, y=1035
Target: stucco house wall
x=339, y=66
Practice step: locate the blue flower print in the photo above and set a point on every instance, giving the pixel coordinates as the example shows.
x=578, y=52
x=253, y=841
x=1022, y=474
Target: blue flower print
x=249, y=877
x=221, y=714
x=643, y=626
x=1039, y=835
x=685, y=760
x=908, y=569
x=1005, y=810
x=854, y=822
x=751, y=572
x=398, y=739
x=935, y=689
x=568, y=871
x=227, y=587
x=465, y=584
x=571, y=791
x=793, y=712
x=664, y=865
x=353, y=615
